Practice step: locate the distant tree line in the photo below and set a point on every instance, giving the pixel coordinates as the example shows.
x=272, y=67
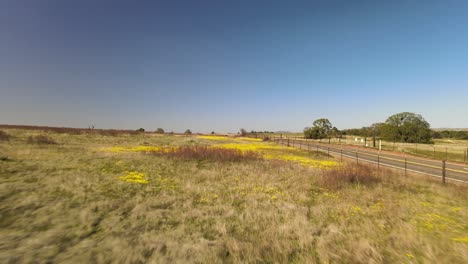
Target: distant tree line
x=450, y=134
x=261, y=132
x=402, y=127
x=385, y=133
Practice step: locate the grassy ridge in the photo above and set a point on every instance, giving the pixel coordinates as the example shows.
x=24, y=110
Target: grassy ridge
x=78, y=201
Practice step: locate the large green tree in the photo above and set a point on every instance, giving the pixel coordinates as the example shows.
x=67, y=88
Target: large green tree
x=406, y=127
x=322, y=128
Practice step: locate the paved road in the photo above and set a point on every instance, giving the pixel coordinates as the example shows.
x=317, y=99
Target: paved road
x=454, y=171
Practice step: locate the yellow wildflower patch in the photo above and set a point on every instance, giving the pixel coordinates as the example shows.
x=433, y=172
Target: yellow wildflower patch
x=305, y=161
x=229, y=138
x=250, y=147
x=331, y=195
x=273, y=192
x=356, y=209
x=136, y=149
x=134, y=177
x=275, y=152
x=378, y=206
x=436, y=222
x=267, y=151
x=460, y=239
x=213, y=137
x=250, y=139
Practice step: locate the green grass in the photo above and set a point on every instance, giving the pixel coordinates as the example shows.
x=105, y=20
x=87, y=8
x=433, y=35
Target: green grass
x=67, y=202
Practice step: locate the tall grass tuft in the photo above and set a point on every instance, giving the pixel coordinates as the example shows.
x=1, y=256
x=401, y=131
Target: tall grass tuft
x=41, y=139
x=208, y=153
x=4, y=136
x=347, y=174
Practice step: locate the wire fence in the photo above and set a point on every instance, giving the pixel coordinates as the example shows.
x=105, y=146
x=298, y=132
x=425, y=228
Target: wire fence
x=440, y=169
x=456, y=152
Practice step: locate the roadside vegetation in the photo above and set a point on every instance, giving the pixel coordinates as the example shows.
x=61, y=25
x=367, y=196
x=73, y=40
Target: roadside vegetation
x=153, y=197
x=404, y=132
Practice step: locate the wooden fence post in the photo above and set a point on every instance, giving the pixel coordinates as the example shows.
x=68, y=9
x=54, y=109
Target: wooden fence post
x=466, y=160
x=405, y=166
x=443, y=171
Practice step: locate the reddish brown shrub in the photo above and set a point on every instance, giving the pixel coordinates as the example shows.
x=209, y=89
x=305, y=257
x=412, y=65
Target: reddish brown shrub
x=4, y=136
x=208, y=153
x=41, y=139
x=349, y=173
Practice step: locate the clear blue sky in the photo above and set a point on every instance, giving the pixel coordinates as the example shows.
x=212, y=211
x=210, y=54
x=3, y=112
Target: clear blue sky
x=222, y=65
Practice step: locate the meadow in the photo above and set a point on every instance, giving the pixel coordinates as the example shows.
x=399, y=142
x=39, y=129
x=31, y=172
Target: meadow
x=151, y=198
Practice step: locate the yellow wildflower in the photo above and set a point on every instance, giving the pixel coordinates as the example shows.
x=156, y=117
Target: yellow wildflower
x=134, y=177
x=136, y=149
x=214, y=137
x=461, y=239
x=250, y=139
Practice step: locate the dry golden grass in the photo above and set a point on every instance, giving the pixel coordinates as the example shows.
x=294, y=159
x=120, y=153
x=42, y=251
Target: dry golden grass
x=79, y=202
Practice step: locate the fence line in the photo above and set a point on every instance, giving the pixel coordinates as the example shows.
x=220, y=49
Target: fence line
x=380, y=160
x=440, y=152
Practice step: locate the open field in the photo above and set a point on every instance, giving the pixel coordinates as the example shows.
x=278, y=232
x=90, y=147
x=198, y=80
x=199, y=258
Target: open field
x=132, y=198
